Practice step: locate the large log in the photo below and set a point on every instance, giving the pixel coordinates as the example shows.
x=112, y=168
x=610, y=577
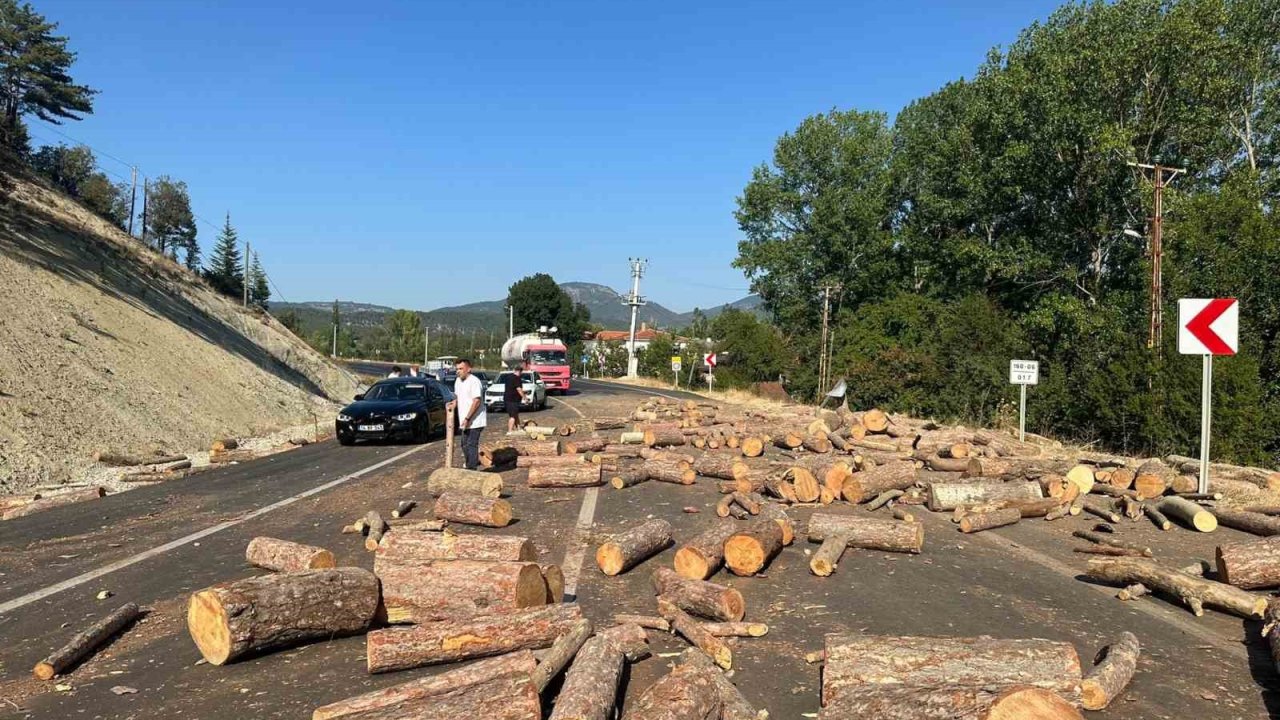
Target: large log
x=887, y=702
x=733, y=706
x=632, y=547
x=1271, y=631
x=699, y=597
x=554, y=578
x=951, y=495
x=591, y=686
x=668, y=469
x=628, y=475
x=1251, y=564
x=772, y=512
x=697, y=635
x=866, y=484
x=663, y=437
x=399, y=548
x=868, y=533
x=565, y=476
x=86, y=642
x=1250, y=522
x=473, y=510
x=532, y=461
x=561, y=653
x=1196, y=592
x=1152, y=479
x=403, y=648
x=274, y=611
x=722, y=466
x=751, y=548
x=1258, y=477
x=53, y=501
x=425, y=592
x=506, y=697
x=1109, y=677
x=856, y=661
x=679, y=696
x=285, y=556
x=458, y=480
x=979, y=521
x=803, y=483
x=498, y=456
x=1191, y=514
x=477, y=673
x=702, y=556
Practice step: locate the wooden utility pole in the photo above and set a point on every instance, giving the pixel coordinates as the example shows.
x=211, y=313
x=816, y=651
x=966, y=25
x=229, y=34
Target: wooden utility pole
x=1160, y=177
x=824, y=358
x=133, y=199
x=146, y=193
x=246, y=274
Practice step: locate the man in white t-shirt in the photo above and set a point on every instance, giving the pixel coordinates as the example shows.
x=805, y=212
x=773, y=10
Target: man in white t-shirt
x=472, y=415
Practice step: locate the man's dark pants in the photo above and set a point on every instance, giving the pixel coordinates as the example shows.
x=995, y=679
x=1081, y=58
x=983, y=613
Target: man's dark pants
x=471, y=447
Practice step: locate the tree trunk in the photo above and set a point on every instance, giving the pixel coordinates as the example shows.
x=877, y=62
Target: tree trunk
x=752, y=447
x=424, y=548
x=670, y=470
x=285, y=556
x=403, y=648
x=722, y=466
x=1152, y=479
x=498, y=457
x=733, y=706
x=554, y=577
x=857, y=661
x=565, y=476
x=418, y=593
x=1196, y=592
x=274, y=611
x=678, y=696
x=476, y=673
x=663, y=437
x=1193, y=515
x=865, y=485
x=468, y=482
x=86, y=642
x=374, y=526
x=561, y=654
x=506, y=697
x=590, y=688
x=1250, y=522
x=697, y=635
x=749, y=550
x=949, y=496
x=630, y=548
x=629, y=475
x=824, y=561
x=473, y=510
x=977, y=522
x=868, y=533
x=886, y=702
x=1251, y=565
x=1109, y=677
x=608, y=423
x=702, y=556
x=48, y=503
x=1271, y=631
x=705, y=599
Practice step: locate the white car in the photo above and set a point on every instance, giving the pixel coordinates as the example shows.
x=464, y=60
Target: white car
x=535, y=391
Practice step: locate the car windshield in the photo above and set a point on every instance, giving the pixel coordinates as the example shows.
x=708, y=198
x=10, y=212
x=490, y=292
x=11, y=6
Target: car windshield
x=546, y=357
x=396, y=391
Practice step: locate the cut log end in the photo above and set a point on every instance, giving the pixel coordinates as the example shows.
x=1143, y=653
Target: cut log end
x=1029, y=702
x=207, y=621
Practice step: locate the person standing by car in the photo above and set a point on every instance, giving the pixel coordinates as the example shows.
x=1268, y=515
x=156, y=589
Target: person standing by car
x=512, y=397
x=472, y=415
x=395, y=372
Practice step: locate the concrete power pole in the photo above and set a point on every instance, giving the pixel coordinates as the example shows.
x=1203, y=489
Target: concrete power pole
x=636, y=302
x=1160, y=180
x=426, y=346
x=511, y=321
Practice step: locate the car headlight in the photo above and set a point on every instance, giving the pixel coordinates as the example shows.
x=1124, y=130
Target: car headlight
x=405, y=417
x=344, y=418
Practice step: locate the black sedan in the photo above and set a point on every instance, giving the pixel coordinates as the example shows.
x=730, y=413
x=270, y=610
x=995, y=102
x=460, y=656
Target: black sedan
x=410, y=408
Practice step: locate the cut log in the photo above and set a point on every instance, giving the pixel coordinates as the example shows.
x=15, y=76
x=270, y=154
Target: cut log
x=1250, y=522
x=554, y=578
x=779, y=516
x=752, y=447
x=1121, y=477
x=825, y=560
x=404, y=507
x=374, y=527
x=777, y=485
x=477, y=673
x=585, y=445
x=1029, y=507
x=670, y=470
x=285, y=556
x=1082, y=477
x=1157, y=518
x=498, y=457
x=590, y=687
x=469, y=482
x=403, y=648
x=887, y=702
x=1094, y=537
x=951, y=495
x=426, y=592
x=399, y=548
x=1107, y=550
x=1105, y=682
x=473, y=510
x=629, y=475
x=803, y=483
x=124, y=460
x=702, y=556
x=532, y=461
x=697, y=635
x=1251, y=565
x=737, y=629
x=868, y=533
x=53, y=501
x=505, y=697
x=679, y=696
x=977, y=522
x=631, y=438
x=608, y=423
x=1152, y=479
x=733, y=706
x=652, y=622
x=750, y=549
x=856, y=661
x=874, y=420
x=1271, y=631
x=274, y=611
x=865, y=485
x=1099, y=508
x=632, y=547
x=565, y=476
x=663, y=437
x=86, y=642
x=705, y=599
x=724, y=467
x=224, y=444
x=404, y=525
x=1191, y=514
x=1194, y=591
x=561, y=654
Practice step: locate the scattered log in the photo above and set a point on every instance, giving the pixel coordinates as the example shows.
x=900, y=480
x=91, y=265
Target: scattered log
x=803, y=484
x=565, y=476
x=1271, y=631
x=875, y=421
x=977, y=522
x=1096, y=507
x=825, y=560
x=736, y=629
x=1029, y=507
x=1152, y=479
x=561, y=654
x=224, y=444
x=467, y=482
x=865, y=485
x=407, y=647
x=629, y=475
x=125, y=460
x=554, y=578
x=1105, y=682
x=505, y=697
x=425, y=548
x=585, y=445
x=951, y=495
x=663, y=437
x=1191, y=514
x=752, y=447
x=779, y=516
x=631, y=438
x=733, y=706
x=697, y=635
x=273, y=611
x=887, y=702
x=702, y=598
x=53, y=501
x=1258, y=477
x=778, y=486
x=1157, y=518
x=498, y=457
x=404, y=507
x=751, y=548
x=1194, y=591
x=868, y=533
x=533, y=461
x=85, y=643
x=679, y=696
x=608, y=423
x=632, y=547
x=901, y=514
x=590, y=687
x=702, y=556
x=285, y=556
x=473, y=510
x=405, y=525
x=1133, y=592
x=670, y=470
x=374, y=526
x=1094, y=537
x=1107, y=550
x=652, y=622
x=724, y=467
x=1250, y=522
x=426, y=592
x=1252, y=564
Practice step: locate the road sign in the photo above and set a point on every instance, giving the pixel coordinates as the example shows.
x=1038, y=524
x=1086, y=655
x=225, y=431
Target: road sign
x=675, y=363
x=1024, y=372
x=1208, y=327
x=709, y=359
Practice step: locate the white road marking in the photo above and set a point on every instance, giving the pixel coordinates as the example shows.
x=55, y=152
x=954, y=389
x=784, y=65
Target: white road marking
x=45, y=592
x=623, y=386
x=577, y=550
x=571, y=407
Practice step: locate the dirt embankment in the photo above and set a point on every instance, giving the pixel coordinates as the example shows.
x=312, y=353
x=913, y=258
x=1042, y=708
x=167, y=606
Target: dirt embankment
x=106, y=345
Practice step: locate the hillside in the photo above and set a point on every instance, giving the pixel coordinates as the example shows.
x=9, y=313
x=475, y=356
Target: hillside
x=108, y=346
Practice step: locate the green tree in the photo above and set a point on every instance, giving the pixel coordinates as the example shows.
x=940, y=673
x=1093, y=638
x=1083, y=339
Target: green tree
x=404, y=335
x=259, y=288
x=290, y=319
x=68, y=168
x=539, y=301
x=35, y=78
x=751, y=351
x=171, y=226
x=109, y=200
x=225, y=271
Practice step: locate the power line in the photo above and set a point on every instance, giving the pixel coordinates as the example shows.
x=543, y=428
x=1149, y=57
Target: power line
x=97, y=151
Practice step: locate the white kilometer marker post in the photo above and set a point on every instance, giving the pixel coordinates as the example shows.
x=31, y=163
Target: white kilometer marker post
x=1023, y=373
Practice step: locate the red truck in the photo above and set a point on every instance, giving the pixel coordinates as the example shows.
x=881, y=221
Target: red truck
x=541, y=352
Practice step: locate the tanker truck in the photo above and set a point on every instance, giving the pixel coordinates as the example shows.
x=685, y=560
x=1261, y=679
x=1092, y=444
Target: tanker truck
x=539, y=352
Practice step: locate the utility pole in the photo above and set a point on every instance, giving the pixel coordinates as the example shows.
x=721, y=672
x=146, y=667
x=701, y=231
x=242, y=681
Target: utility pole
x=247, y=272
x=335, y=340
x=1160, y=176
x=824, y=355
x=146, y=194
x=511, y=321
x=133, y=199
x=426, y=346
x=636, y=302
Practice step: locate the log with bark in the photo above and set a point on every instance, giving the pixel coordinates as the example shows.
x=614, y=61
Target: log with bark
x=273, y=611
x=1196, y=592
x=374, y=527
x=1189, y=513
x=951, y=495
x=632, y=547
x=1271, y=631
x=591, y=685
x=1252, y=564
x=1250, y=522
x=825, y=560
x=85, y=643
x=1100, y=539
x=701, y=557
x=561, y=653
x=285, y=556
x=458, y=480
x=52, y=501
x=565, y=476
x=532, y=461
x=1258, y=477
x=554, y=578
x=977, y=522
x=752, y=446
x=1105, y=682
x=1152, y=479
x=676, y=470
x=585, y=445
x=722, y=466
x=512, y=696
x=733, y=706
x=609, y=423
x=498, y=456
x=679, y=695
x=404, y=507
x=699, y=597
x=753, y=546
x=868, y=533
x=888, y=702
x=803, y=484
x=865, y=485
x=473, y=510
x=426, y=592
x=424, y=548
x=697, y=635
x=1099, y=508
x=628, y=475
x=663, y=437
x=115, y=459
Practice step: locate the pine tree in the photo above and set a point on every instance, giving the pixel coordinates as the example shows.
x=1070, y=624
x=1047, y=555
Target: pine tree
x=36, y=74
x=225, y=272
x=259, y=289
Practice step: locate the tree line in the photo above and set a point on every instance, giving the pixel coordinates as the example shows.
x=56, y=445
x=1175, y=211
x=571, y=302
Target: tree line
x=996, y=219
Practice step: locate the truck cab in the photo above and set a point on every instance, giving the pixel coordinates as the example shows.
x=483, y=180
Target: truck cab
x=541, y=352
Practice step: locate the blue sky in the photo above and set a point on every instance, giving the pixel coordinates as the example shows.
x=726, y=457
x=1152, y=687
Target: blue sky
x=420, y=154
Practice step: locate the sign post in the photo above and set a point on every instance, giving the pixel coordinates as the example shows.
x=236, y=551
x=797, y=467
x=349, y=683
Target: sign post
x=675, y=371
x=1207, y=327
x=710, y=360
x=1023, y=373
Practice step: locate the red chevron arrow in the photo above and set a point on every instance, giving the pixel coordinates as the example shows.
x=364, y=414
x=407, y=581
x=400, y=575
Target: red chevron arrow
x=1201, y=326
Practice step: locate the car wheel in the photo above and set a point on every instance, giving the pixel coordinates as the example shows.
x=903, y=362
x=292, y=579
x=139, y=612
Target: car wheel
x=346, y=440
x=421, y=432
